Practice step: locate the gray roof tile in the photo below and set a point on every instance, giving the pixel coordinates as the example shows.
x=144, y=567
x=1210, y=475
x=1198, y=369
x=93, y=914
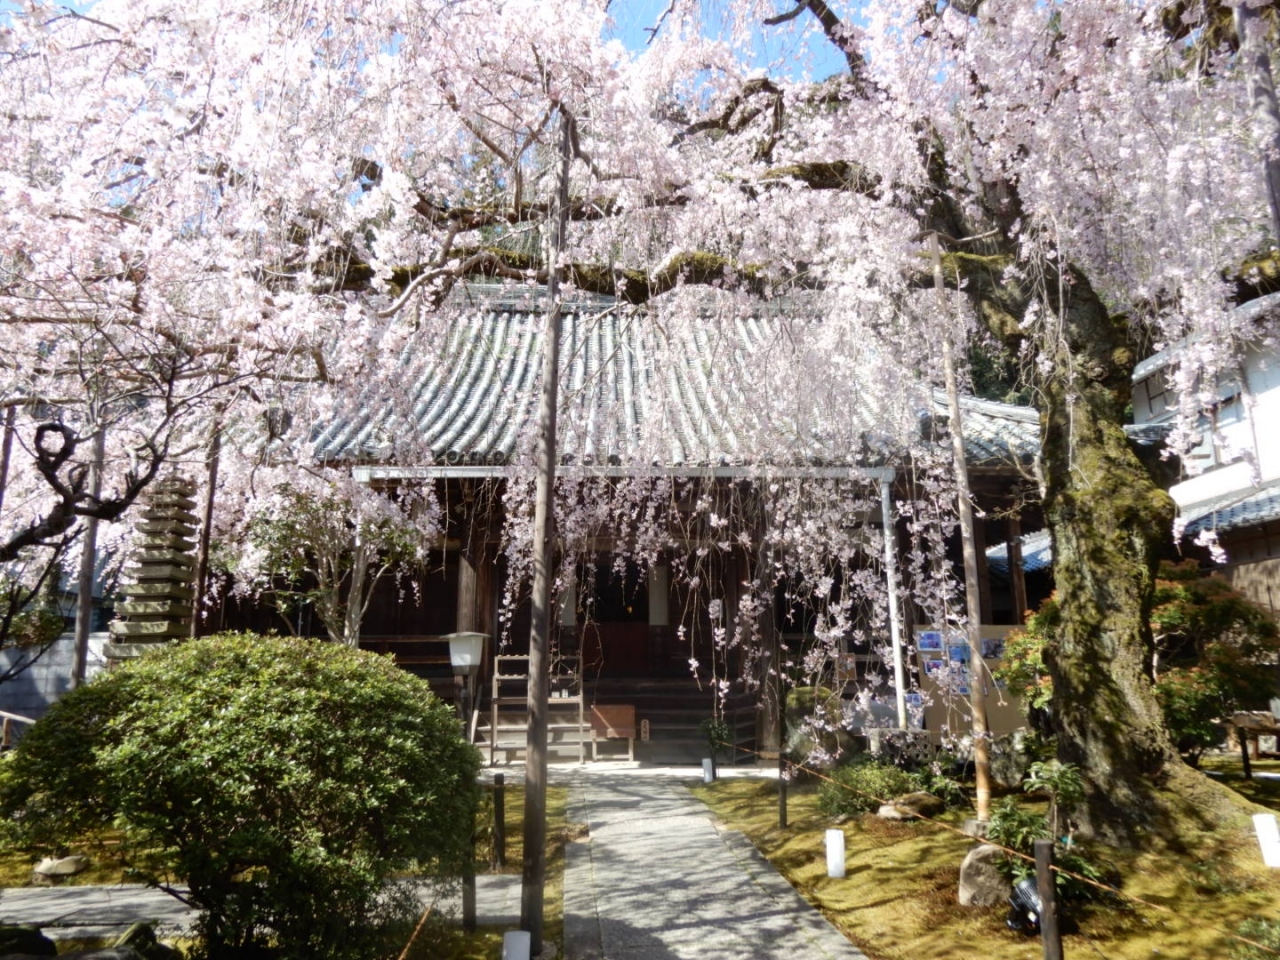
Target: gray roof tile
x=639, y=390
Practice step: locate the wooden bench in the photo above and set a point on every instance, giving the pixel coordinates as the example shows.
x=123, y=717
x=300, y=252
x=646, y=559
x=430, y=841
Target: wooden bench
x=613, y=722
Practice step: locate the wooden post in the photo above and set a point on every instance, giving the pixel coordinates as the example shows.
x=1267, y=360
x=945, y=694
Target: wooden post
x=469, y=886
x=468, y=582
x=773, y=695
x=534, y=874
x=499, y=820
x=1017, y=576
x=984, y=579
x=968, y=540
x=782, y=792
x=895, y=619
x=1244, y=752
x=1050, y=935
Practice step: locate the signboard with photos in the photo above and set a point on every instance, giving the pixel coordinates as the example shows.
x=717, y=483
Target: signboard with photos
x=946, y=676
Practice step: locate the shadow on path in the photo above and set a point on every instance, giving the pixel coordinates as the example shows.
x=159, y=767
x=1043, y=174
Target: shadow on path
x=658, y=880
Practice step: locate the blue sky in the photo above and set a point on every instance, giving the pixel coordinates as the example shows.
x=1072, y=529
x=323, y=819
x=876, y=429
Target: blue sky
x=631, y=17
x=773, y=44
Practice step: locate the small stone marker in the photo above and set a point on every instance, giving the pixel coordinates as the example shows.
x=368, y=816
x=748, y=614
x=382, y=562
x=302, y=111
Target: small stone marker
x=835, y=853
x=1268, y=837
x=516, y=945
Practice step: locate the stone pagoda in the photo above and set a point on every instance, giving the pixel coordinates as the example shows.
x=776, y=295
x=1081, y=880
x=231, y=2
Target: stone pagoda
x=157, y=605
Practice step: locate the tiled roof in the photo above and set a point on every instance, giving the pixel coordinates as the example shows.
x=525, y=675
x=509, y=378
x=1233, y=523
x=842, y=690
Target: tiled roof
x=1242, y=317
x=1037, y=554
x=638, y=389
x=1241, y=508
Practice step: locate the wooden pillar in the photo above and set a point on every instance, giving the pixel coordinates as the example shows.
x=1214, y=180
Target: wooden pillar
x=468, y=620
x=486, y=573
x=659, y=619
x=731, y=589
x=984, y=575
x=1017, y=576
x=771, y=687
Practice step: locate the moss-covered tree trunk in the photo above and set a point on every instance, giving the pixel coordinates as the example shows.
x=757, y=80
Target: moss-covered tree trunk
x=1107, y=519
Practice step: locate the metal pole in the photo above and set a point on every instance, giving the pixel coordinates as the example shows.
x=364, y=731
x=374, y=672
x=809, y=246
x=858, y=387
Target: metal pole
x=88, y=562
x=1050, y=935
x=895, y=614
x=973, y=598
x=535, y=782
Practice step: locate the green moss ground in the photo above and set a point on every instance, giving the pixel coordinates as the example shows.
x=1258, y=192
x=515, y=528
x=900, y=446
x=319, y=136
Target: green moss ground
x=898, y=900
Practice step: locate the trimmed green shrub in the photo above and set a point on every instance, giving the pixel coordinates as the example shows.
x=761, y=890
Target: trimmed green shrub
x=285, y=782
x=863, y=786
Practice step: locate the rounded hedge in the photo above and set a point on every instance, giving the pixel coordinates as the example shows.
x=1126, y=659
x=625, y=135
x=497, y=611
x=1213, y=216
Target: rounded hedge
x=284, y=782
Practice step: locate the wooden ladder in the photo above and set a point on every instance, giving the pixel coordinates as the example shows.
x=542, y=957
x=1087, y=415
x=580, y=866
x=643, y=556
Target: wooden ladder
x=511, y=696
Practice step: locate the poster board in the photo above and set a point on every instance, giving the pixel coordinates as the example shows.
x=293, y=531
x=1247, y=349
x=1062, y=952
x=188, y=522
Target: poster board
x=946, y=675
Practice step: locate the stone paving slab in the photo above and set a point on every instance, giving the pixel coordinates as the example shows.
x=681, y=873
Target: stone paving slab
x=76, y=912
x=658, y=879
x=93, y=911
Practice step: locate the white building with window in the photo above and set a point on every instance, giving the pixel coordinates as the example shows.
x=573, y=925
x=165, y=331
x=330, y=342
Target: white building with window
x=1229, y=494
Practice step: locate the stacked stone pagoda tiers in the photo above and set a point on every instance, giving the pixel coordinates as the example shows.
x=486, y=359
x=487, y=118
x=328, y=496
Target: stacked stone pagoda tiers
x=157, y=605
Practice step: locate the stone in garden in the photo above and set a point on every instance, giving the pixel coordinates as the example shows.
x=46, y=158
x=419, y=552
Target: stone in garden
x=1010, y=762
x=912, y=805
x=62, y=866
x=28, y=941
x=981, y=882
x=141, y=938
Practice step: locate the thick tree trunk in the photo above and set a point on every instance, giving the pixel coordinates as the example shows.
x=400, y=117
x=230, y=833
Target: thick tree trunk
x=1107, y=519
